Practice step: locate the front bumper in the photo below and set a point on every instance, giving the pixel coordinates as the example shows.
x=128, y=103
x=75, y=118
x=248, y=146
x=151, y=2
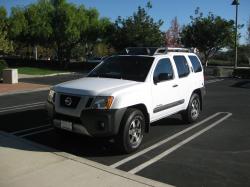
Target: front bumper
x=92, y=122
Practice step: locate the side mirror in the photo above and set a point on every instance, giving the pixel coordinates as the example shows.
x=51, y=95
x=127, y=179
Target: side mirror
x=163, y=77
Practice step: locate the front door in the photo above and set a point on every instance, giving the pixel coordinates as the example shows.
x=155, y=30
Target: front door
x=165, y=90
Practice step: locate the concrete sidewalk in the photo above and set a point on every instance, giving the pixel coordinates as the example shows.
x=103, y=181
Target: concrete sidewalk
x=29, y=83
x=24, y=163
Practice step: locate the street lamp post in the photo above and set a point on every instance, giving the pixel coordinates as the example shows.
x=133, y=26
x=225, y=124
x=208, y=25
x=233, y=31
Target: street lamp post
x=236, y=3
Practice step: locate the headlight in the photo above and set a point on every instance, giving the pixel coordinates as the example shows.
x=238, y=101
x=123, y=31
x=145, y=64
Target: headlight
x=103, y=102
x=51, y=96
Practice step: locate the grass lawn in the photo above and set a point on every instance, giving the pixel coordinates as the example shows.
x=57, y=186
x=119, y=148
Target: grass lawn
x=37, y=71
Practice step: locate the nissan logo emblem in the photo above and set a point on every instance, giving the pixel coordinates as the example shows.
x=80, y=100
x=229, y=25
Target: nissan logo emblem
x=68, y=101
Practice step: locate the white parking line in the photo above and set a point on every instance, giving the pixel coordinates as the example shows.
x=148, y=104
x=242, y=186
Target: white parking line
x=168, y=151
x=19, y=107
x=163, y=141
x=26, y=130
x=37, y=132
x=213, y=81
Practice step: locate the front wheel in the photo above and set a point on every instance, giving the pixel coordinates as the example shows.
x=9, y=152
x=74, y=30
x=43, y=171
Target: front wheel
x=192, y=113
x=131, y=131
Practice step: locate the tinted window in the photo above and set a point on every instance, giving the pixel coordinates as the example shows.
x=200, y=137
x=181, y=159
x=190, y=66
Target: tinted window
x=195, y=63
x=181, y=65
x=163, y=66
x=134, y=68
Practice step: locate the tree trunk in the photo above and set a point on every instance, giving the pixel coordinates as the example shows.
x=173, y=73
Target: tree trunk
x=35, y=52
x=206, y=59
x=60, y=54
x=206, y=62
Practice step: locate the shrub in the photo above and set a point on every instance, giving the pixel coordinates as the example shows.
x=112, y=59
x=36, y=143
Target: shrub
x=242, y=72
x=217, y=71
x=3, y=65
x=215, y=62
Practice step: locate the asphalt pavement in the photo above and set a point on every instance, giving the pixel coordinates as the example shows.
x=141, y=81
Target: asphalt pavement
x=53, y=80
x=212, y=152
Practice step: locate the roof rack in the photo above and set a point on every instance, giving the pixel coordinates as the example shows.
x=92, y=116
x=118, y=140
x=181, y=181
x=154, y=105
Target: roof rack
x=164, y=50
x=151, y=50
x=139, y=51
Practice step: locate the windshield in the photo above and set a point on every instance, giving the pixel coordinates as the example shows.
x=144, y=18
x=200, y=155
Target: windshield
x=133, y=68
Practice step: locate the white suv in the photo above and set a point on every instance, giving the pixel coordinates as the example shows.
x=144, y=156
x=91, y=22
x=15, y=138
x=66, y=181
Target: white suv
x=127, y=92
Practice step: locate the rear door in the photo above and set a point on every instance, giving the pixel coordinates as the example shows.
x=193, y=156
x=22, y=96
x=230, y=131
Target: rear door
x=186, y=82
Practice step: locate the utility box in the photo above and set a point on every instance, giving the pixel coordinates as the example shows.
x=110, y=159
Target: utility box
x=10, y=76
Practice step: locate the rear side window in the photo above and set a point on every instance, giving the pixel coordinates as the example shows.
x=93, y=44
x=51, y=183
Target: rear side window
x=195, y=63
x=182, y=66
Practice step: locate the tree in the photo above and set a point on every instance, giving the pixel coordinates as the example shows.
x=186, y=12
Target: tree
x=57, y=24
x=5, y=44
x=172, y=36
x=65, y=24
x=208, y=34
x=137, y=31
x=18, y=26
x=75, y=25
x=97, y=30
x=39, y=27
x=248, y=32
x=3, y=18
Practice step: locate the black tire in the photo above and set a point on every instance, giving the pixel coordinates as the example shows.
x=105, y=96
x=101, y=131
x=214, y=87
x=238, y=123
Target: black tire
x=131, y=131
x=192, y=113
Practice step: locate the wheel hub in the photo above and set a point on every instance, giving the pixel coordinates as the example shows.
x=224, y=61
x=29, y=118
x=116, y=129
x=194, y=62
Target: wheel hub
x=135, y=131
x=195, y=108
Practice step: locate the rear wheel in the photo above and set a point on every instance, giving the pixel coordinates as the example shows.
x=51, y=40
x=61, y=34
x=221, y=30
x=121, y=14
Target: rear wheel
x=131, y=131
x=192, y=113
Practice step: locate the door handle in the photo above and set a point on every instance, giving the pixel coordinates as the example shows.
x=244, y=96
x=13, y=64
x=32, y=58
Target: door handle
x=176, y=85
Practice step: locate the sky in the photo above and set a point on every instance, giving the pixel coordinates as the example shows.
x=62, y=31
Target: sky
x=165, y=10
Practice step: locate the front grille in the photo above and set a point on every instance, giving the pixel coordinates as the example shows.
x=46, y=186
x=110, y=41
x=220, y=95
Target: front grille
x=69, y=101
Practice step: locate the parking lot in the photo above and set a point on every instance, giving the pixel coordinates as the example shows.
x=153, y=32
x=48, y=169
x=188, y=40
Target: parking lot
x=214, y=151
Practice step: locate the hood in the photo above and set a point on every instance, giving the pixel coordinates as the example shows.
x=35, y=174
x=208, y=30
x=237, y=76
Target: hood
x=93, y=86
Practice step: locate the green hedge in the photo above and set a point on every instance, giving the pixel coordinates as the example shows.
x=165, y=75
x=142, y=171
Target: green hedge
x=215, y=62
x=242, y=72
x=3, y=65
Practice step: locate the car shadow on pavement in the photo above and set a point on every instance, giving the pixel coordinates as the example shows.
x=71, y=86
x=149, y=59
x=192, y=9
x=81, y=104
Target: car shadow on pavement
x=79, y=145
x=242, y=84
x=19, y=120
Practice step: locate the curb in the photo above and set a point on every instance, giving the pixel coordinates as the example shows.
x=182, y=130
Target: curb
x=98, y=166
x=25, y=91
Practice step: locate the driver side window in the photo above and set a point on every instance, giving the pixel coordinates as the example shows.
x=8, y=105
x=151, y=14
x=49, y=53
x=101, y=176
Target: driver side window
x=163, y=67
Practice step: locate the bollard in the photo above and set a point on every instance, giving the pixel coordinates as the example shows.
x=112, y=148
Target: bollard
x=10, y=76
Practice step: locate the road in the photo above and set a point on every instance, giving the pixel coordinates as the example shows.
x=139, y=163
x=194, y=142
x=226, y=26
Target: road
x=215, y=151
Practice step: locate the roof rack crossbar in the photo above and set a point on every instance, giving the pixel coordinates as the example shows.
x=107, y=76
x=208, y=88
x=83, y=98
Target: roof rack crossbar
x=161, y=50
x=152, y=50
x=165, y=50
x=176, y=49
